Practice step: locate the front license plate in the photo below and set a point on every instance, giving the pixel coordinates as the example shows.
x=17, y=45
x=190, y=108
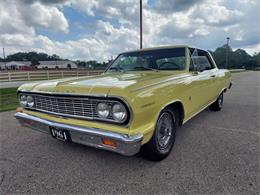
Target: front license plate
x=60, y=134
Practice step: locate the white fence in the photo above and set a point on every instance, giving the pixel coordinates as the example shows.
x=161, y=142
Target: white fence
x=44, y=75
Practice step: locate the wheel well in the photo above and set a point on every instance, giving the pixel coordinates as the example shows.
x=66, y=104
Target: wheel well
x=224, y=90
x=179, y=107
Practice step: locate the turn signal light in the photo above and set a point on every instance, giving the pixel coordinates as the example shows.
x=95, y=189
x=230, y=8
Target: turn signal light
x=27, y=122
x=19, y=109
x=109, y=142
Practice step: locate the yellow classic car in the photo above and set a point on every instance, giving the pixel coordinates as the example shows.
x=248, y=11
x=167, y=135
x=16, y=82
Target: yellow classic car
x=137, y=104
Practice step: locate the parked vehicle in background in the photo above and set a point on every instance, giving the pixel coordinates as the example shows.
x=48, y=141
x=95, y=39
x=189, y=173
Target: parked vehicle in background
x=140, y=101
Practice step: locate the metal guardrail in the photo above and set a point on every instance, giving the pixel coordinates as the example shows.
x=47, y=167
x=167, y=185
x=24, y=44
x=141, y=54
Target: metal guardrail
x=44, y=75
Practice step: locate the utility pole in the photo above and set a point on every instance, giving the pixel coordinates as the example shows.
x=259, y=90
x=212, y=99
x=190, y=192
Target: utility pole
x=4, y=57
x=227, y=51
x=141, y=24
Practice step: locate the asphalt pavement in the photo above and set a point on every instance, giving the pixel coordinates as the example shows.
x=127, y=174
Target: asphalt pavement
x=12, y=84
x=215, y=153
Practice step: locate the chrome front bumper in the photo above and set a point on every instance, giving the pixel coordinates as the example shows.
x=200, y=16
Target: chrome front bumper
x=126, y=145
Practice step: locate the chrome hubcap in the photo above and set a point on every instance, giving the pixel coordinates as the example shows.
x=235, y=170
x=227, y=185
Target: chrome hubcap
x=165, y=130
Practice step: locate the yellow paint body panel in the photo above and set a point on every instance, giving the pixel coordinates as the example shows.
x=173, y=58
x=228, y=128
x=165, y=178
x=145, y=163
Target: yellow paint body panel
x=146, y=92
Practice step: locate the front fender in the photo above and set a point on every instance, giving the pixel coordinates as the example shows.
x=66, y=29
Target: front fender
x=147, y=106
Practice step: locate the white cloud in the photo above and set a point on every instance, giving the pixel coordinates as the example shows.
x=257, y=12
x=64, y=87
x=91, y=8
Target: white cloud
x=85, y=5
x=213, y=13
x=18, y=17
x=175, y=5
x=252, y=49
x=107, y=42
x=203, y=23
x=125, y=11
x=11, y=20
x=45, y=16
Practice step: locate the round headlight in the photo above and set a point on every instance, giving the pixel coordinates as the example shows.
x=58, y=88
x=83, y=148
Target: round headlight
x=103, y=110
x=119, y=112
x=30, y=101
x=23, y=100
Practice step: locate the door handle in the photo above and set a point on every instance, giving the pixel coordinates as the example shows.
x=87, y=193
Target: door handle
x=213, y=75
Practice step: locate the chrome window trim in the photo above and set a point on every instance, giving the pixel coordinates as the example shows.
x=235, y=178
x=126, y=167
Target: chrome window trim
x=80, y=96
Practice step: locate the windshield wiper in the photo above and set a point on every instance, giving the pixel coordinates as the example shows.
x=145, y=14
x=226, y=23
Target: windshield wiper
x=144, y=68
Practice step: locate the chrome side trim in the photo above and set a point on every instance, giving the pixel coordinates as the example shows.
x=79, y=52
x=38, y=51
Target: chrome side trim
x=126, y=145
x=186, y=120
x=203, y=108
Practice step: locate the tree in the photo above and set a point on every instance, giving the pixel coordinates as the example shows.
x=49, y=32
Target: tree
x=256, y=59
x=219, y=55
x=240, y=58
x=236, y=59
x=54, y=57
x=34, y=62
x=24, y=56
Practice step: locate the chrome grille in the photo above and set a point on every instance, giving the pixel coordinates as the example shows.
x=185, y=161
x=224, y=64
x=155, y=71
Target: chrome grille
x=83, y=107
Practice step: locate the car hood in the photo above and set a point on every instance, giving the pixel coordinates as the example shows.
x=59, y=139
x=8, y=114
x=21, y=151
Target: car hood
x=101, y=84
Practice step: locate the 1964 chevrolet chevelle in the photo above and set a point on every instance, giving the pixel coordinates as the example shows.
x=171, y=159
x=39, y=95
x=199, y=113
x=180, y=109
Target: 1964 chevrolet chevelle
x=136, y=104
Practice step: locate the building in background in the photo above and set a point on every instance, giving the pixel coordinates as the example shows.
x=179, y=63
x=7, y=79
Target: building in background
x=61, y=64
x=2, y=65
x=26, y=65
x=16, y=65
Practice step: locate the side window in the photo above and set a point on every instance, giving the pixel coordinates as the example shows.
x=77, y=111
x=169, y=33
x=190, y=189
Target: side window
x=200, y=58
x=212, y=66
x=204, y=60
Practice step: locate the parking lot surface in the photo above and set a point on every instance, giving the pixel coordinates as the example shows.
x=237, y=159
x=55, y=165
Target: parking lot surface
x=12, y=84
x=215, y=153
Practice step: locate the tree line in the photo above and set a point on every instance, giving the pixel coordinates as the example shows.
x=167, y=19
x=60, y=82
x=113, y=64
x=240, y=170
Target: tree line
x=236, y=59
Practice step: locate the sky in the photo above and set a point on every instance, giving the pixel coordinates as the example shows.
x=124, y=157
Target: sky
x=100, y=29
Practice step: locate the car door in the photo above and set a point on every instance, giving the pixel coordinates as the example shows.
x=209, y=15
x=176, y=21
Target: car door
x=210, y=72
x=214, y=71
x=201, y=81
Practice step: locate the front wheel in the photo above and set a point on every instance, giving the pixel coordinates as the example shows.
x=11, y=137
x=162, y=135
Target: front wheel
x=164, y=136
x=217, y=105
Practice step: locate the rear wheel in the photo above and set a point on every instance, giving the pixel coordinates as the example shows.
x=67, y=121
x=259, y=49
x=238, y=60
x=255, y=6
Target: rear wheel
x=217, y=105
x=164, y=136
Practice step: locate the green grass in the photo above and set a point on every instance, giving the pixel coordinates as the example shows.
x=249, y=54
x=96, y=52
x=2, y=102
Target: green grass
x=8, y=99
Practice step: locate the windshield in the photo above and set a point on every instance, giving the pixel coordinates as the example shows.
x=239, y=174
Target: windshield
x=162, y=59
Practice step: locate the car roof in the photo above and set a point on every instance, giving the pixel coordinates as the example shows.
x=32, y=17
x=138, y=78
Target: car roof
x=163, y=47
x=158, y=48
